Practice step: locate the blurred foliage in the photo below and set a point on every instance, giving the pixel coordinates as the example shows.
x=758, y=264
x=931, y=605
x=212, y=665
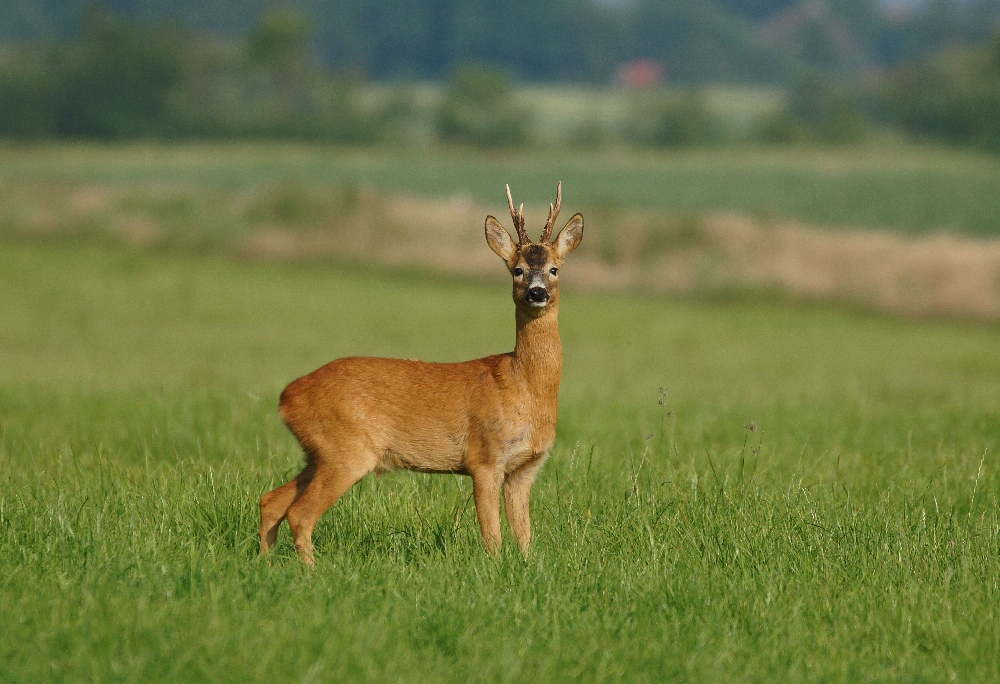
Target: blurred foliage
x=828, y=110
x=279, y=39
x=672, y=120
x=479, y=109
x=696, y=41
x=935, y=25
x=699, y=42
x=116, y=82
x=953, y=96
x=128, y=79
x=819, y=110
x=28, y=103
x=120, y=77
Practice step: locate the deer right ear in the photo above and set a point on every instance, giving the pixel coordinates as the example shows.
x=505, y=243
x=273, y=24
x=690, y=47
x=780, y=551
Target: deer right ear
x=569, y=237
x=499, y=241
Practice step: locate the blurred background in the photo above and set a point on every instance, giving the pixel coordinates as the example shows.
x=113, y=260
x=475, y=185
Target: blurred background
x=714, y=143
x=569, y=72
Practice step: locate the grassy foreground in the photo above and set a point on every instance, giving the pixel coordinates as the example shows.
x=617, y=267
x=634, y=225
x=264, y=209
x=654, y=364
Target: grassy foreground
x=853, y=535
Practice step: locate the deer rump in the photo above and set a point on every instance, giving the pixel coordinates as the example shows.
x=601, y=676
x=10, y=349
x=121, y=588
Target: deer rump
x=388, y=414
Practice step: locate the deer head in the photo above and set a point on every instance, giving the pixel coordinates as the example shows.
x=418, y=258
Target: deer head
x=534, y=266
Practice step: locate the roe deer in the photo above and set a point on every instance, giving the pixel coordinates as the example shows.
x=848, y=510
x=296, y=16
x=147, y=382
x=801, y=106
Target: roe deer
x=492, y=418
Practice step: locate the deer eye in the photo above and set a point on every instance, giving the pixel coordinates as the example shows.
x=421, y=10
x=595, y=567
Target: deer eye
x=554, y=271
x=519, y=271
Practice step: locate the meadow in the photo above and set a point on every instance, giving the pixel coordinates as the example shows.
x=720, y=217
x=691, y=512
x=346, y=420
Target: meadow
x=741, y=488
x=900, y=187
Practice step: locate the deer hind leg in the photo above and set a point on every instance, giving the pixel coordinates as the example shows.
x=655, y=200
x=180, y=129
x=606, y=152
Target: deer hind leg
x=274, y=505
x=517, y=497
x=337, y=470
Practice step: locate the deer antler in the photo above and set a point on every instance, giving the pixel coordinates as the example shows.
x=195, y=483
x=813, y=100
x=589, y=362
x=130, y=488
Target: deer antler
x=553, y=213
x=518, y=216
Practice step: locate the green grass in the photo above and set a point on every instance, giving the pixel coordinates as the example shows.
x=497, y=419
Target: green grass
x=854, y=536
x=911, y=189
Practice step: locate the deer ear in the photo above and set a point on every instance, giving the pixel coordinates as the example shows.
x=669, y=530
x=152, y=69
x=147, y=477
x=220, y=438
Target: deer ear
x=499, y=240
x=569, y=237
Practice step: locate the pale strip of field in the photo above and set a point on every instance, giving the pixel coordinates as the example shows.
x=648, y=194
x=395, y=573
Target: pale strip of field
x=558, y=112
x=937, y=274
x=644, y=249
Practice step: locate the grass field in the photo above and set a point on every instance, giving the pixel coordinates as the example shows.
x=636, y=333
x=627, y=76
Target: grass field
x=853, y=536
x=910, y=189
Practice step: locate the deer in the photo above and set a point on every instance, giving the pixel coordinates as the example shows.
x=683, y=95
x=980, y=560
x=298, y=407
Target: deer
x=493, y=419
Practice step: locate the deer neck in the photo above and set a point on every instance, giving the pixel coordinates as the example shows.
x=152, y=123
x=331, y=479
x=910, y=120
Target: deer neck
x=538, y=350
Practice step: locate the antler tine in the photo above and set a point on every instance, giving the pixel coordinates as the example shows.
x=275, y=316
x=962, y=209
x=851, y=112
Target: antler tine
x=553, y=213
x=518, y=218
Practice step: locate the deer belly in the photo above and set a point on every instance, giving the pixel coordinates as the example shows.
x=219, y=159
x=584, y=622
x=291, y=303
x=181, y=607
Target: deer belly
x=426, y=454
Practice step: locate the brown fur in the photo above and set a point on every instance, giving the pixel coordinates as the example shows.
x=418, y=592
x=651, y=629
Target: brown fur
x=492, y=418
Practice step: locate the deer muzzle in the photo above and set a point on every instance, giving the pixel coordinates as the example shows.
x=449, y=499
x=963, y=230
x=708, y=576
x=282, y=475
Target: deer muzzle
x=537, y=296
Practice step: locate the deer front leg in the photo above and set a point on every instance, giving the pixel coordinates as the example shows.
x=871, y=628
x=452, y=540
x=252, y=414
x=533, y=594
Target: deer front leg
x=486, y=489
x=517, y=497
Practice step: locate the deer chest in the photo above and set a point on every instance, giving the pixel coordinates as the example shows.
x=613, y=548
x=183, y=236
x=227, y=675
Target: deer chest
x=524, y=445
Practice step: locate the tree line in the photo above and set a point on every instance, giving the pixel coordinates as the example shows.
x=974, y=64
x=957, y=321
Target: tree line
x=114, y=77
x=560, y=40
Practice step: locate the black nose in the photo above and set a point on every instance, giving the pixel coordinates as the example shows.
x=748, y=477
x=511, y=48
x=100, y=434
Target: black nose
x=537, y=294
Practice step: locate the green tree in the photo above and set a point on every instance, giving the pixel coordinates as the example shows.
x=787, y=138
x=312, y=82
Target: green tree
x=673, y=120
x=826, y=109
x=278, y=44
x=279, y=40
x=118, y=81
x=952, y=96
x=478, y=109
x=28, y=100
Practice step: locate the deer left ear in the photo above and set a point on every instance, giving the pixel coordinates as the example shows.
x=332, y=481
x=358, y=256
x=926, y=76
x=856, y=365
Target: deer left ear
x=569, y=237
x=499, y=241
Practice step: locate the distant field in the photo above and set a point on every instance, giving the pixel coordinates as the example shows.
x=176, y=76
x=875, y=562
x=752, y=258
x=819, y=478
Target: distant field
x=558, y=111
x=853, y=536
x=898, y=187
